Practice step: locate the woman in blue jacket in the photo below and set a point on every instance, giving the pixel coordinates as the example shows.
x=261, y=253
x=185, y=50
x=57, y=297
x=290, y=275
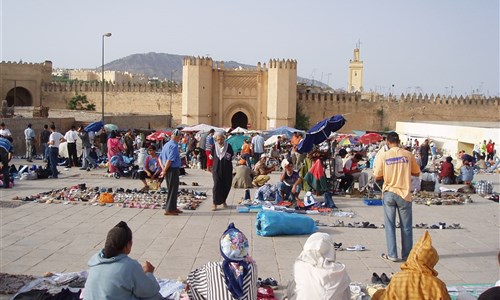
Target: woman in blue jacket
x=114, y=275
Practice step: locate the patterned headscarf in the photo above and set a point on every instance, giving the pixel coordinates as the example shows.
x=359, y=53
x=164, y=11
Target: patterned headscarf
x=234, y=250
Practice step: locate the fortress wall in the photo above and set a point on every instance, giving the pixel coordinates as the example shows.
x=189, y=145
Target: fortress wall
x=141, y=103
x=381, y=113
x=363, y=112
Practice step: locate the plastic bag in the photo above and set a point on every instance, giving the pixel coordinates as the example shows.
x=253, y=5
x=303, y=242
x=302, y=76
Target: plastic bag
x=272, y=223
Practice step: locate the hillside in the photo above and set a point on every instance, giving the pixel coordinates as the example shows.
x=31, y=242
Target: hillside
x=161, y=64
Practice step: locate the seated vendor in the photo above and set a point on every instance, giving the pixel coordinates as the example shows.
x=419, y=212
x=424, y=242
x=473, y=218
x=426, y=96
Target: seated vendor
x=417, y=278
x=242, y=178
x=447, y=173
x=114, y=275
x=290, y=183
x=345, y=181
x=466, y=173
x=351, y=169
x=261, y=170
x=235, y=277
x=317, y=275
x=152, y=168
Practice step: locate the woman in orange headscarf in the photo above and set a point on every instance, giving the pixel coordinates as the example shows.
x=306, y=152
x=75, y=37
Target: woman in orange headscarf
x=417, y=279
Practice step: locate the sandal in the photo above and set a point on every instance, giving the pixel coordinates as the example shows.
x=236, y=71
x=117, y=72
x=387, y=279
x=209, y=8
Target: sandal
x=214, y=207
x=356, y=248
x=388, y=258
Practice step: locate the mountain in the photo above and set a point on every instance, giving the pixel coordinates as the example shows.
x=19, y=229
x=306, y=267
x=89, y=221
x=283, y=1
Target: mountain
x=161, y=65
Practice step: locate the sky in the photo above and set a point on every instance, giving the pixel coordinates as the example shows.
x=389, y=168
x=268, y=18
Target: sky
x=446, y=47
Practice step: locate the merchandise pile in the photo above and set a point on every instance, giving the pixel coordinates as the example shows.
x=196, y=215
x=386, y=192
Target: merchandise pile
x=126, y=198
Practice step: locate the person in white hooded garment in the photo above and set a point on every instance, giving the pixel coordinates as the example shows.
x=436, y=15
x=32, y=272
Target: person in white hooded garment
x=316, y=273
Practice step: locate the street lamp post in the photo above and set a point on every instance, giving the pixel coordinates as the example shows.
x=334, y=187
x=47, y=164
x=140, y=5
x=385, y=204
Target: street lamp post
x=171, y=93
x=102, y=78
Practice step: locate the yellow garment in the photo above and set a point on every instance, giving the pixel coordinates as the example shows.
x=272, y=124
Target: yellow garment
x=260, y=180
x=306, y=166
x=417, y=279
x=106, y=198
x=396, y=166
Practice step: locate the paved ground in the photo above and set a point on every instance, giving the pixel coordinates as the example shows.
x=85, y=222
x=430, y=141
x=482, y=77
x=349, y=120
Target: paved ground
x=36, y=238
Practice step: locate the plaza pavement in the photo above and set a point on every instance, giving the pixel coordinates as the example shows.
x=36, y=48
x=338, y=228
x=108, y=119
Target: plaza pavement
x=36, y=238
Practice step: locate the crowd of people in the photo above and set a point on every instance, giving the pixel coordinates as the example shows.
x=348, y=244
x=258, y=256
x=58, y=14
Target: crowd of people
x=316, y=270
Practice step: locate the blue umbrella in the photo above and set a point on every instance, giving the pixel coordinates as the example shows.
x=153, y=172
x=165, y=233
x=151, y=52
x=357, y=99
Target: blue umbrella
x=93, y=127
x=320, y=132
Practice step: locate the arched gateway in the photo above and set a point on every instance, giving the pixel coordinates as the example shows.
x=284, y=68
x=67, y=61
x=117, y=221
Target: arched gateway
x=239, y=119
x=264, y=96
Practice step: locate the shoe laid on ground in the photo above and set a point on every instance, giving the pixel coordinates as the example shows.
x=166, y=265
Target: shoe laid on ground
x=356, y=248
x=171, y=213
x=385, y=280
x=388, y=258
x=376, y=279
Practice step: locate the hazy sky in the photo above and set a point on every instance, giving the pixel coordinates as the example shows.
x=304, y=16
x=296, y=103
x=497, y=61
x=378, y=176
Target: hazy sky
x=427, y=45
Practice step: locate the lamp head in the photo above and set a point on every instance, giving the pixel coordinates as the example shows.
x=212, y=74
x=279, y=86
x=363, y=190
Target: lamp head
x=107, y=34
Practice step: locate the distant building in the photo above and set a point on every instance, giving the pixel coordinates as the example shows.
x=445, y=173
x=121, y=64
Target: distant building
x=355, y=73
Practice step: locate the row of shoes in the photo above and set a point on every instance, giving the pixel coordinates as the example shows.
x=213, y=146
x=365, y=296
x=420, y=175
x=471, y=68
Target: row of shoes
x=382, y=279
x=428, y=198
x=440, y=225
x=267, y=282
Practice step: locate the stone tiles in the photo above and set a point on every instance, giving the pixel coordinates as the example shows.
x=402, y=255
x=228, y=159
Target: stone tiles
x=36, y=238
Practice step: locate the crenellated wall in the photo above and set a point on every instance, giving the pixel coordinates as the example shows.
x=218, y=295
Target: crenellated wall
x=118, y=98
x=376, y=112
x=265, y=94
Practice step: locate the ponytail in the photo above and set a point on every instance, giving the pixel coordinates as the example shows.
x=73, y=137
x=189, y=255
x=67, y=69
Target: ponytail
x=117, y=239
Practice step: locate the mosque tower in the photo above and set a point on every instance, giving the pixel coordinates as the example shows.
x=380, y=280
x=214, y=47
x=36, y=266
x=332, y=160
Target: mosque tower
x=355, y=73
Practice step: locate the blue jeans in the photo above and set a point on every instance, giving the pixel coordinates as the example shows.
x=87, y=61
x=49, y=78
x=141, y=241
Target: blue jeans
x=285, y=189
x=329, y=200
x=393, y=203
x=53, y=160
x=45, y=151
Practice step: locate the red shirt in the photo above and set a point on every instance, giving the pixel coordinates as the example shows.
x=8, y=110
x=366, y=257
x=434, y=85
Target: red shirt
x=446, y=170
x=489, y=147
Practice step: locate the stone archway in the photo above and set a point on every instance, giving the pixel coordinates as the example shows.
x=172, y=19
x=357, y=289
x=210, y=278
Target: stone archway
x=19, y=96
x=239, y=119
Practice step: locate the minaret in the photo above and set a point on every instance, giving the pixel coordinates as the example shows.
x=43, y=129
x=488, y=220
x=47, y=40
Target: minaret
x=355, y=73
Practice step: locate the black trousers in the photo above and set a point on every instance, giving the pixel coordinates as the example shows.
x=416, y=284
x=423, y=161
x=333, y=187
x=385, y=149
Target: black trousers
x=72, y=156
x=172, y=178
x=4, y=157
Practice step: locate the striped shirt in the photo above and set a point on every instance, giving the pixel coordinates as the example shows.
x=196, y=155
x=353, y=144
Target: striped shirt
x=208, y=283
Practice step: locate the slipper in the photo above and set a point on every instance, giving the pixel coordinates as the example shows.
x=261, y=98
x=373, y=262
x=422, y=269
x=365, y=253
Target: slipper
x=356, y=248
x=386, y=257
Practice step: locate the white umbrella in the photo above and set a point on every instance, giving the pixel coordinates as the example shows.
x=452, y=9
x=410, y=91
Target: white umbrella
x=239, y=130
x=202, y=127
x=272, y=140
